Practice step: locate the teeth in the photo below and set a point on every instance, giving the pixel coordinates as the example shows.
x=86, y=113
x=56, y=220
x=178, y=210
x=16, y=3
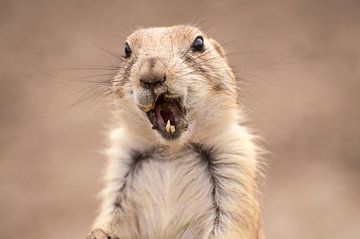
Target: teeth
x=172, y=128
x=168, y=126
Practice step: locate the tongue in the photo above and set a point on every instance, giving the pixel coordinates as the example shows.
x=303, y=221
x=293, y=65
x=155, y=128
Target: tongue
x=167, y=112
x=166, y=115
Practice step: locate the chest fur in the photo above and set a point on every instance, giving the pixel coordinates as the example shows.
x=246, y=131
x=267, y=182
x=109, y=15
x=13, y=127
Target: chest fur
x=169, y=196
x=195, y=193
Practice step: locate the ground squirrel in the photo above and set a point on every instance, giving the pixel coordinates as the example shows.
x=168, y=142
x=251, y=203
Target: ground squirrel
x=181, y=162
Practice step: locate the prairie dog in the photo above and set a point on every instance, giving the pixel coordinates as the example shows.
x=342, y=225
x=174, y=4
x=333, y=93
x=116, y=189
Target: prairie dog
x=181, y=163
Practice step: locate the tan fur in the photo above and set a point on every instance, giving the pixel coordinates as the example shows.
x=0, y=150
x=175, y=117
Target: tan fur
x=201, y=185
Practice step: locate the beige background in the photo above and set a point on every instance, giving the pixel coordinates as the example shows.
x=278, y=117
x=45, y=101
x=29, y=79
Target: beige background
x=300, y=64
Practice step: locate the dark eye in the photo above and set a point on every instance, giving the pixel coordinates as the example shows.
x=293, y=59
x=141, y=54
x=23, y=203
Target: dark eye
x=198, y=44
x=127, y=50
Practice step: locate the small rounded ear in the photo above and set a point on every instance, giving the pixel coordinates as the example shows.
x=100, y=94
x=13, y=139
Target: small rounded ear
x=218, y=48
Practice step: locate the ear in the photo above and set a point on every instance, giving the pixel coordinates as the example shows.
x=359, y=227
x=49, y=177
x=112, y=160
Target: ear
x=218, y=48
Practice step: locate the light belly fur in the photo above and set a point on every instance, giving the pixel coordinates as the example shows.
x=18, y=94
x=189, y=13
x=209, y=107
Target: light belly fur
x=183, y=194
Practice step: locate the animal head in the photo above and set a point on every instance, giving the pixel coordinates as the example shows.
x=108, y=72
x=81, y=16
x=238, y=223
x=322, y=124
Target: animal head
x=173, y=84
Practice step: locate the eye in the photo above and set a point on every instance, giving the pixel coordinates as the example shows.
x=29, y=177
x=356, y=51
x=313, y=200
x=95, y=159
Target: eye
x=198, y=44
x=127, y=50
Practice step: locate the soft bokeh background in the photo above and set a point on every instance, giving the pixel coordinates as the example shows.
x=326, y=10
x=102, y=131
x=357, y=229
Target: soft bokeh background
x=301, y=64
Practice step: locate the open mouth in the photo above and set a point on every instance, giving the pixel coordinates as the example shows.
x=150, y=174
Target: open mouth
x=167, y=116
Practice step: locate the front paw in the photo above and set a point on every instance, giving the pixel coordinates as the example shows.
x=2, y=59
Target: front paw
x=99, y=234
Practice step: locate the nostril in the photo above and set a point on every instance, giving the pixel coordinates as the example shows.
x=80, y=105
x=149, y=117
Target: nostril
x=159, y=81
x=152, y=82
x=145, y=84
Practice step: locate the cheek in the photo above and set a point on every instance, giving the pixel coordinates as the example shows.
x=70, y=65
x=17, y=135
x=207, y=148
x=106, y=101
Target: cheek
x=134, y=89
x=144, y=99
x=198, y=86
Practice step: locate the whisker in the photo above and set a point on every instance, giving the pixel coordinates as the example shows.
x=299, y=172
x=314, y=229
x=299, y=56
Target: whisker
x=267, y=65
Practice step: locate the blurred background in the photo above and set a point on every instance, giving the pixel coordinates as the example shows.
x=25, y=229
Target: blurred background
x=299, y=62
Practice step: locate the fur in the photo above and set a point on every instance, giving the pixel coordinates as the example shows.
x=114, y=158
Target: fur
x=201, y=185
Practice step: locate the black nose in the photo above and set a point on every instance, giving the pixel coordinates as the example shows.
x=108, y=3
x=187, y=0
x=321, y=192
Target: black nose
x=152, y=73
